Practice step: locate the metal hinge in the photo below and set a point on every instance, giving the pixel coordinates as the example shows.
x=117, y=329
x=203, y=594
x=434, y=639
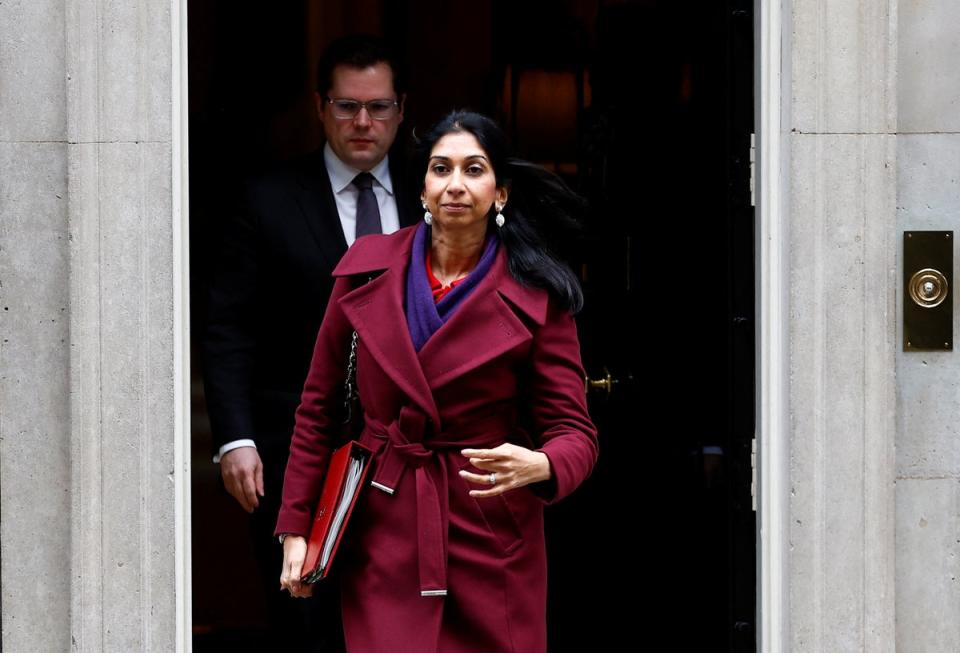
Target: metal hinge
x=753, y=158
x=753, y=473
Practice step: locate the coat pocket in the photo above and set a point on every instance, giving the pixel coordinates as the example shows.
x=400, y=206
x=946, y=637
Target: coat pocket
x=499, y=517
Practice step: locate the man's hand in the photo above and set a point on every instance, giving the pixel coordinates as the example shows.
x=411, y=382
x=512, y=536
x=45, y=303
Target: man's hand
x=243, y=476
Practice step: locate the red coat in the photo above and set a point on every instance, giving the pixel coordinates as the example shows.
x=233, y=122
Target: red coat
x=428, y=567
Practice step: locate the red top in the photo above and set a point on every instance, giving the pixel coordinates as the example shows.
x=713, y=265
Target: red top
x=438, y=289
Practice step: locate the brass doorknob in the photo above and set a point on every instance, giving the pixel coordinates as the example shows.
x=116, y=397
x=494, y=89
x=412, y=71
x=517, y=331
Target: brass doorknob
x=928, y=287
x=604, y=383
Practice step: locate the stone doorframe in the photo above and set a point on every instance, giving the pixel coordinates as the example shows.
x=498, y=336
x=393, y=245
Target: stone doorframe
x=772, y=354
x=771, y=477
x=181, y=316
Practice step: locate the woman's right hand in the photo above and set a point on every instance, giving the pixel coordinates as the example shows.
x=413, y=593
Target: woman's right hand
x=294, y=551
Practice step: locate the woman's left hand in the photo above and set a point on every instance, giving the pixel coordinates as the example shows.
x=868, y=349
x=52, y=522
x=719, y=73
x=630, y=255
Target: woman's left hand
x=511, y=466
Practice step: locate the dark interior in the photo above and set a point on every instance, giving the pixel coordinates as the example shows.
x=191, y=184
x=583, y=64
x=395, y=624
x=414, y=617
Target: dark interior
x=646, y=108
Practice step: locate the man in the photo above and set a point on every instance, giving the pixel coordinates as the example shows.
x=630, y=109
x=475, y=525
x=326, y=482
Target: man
x=271, y=288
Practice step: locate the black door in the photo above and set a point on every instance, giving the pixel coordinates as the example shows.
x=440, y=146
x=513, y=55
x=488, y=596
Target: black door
x=659, y=546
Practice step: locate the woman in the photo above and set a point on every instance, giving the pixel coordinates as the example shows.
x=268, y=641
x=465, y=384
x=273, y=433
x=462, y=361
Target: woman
x=469, y=374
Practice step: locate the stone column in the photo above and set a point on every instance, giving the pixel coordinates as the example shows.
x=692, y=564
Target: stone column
x=843, y=323
x=87, y=470
x=34, y=330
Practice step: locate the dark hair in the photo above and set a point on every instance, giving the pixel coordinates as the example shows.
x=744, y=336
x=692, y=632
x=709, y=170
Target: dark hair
x=541, y=210
x=358, y=51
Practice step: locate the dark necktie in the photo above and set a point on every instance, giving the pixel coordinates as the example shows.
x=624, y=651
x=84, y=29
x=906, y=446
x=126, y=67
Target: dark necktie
x=368, y=213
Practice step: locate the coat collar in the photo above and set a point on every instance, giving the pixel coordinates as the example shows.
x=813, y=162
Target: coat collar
x=496, y=314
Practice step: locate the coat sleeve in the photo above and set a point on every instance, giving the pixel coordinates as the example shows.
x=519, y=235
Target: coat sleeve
x=318, y=428
x=562, y=428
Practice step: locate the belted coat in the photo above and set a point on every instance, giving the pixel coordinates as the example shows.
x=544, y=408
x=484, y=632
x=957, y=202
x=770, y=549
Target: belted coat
x=426, y=567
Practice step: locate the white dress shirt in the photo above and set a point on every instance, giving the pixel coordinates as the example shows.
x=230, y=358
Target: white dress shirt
x=341, y=181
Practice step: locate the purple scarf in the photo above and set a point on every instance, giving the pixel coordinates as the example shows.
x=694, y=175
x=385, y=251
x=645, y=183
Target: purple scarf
x=425, y=316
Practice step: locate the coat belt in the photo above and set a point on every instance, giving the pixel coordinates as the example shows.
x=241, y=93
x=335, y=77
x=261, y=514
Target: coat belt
x=407, y=442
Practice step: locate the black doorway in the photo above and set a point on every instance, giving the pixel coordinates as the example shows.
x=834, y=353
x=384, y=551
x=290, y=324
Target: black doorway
x=659, y=546
x=646, y=107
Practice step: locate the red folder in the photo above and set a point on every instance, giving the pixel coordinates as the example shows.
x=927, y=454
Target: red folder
x=346, y=476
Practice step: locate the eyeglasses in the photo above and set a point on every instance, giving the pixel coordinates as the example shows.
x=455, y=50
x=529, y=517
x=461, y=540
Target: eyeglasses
x=347, y=109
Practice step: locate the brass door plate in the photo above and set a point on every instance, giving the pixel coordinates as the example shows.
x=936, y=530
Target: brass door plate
x=928, y=291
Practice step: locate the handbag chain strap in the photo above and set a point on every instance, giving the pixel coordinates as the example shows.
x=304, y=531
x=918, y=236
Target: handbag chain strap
x=350, y=385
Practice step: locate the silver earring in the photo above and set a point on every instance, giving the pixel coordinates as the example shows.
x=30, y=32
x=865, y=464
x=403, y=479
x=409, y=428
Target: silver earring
x=427, y=216
x=499, y=219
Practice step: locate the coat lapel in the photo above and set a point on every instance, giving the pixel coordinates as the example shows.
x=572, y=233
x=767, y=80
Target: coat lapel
x=319, y=209
x=485, y=326
x=376, y=311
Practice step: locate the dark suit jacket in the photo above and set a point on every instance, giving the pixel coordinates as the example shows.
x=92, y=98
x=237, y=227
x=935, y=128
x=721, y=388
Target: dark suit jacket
x=268, y=294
